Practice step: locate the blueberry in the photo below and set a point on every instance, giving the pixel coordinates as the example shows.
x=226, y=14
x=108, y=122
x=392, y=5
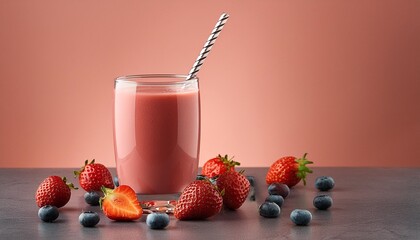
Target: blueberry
x=279, y=189
x=201, y=177
x=251, y=193
x=48, y=213
x=251, y=180
x=269, y=210
x=214, y=179
x=324, y=183
x=89, y=219
x=322, y=202
x=277, y=199
x=92, y=198
x=116, y=181
x=301, y=217
x=157, y=220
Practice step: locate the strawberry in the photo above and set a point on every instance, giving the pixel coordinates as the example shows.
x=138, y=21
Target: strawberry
x=199, y=200
x=288, y=170
x=54, y=191
x=235, y=187
x=218, y=165
x=120, y=204
x=92, y=176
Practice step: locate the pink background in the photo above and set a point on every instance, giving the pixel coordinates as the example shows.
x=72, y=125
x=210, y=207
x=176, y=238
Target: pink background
x=337, y=79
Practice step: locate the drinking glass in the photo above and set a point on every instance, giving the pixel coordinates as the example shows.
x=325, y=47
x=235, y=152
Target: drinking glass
x=156, y=132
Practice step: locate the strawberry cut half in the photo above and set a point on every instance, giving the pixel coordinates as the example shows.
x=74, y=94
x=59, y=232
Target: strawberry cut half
x=121, y=204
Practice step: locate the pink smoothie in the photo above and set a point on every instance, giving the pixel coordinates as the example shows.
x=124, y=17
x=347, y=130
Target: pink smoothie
x=156, y=137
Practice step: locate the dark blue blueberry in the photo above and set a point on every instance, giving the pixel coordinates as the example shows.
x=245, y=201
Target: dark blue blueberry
x=92, y=198
x=323, y=202
x=277, y=199
x=324, y=183
x=116, y=182
x=201, y=177
x=251, y=193
x=251, y=180
x=301, y=217
x=48, y=213
x=269, y=210
x=89, y=219
x=213, y=179
x=279, y=189
x=157, y=220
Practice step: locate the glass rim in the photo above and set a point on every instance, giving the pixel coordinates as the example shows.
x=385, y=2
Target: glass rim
x=142, y=79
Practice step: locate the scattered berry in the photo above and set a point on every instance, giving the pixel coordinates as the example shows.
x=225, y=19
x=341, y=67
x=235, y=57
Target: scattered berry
x=88, y=219
x=92, y=198
x=218, y=165
x=289, y=170
x=251, y=180
x=48, y=213
x=269, y=210
x=252, y=193
x=323, y=202
x=279, y=189
x=157, y=220
x=201, y=177
x=121, y=204
x=301, y=217
x=199, y=200
x=324, y=183
x=277, y=199
x=235, y=187
x=54, y=191
x=116, y=181
x=92, y=176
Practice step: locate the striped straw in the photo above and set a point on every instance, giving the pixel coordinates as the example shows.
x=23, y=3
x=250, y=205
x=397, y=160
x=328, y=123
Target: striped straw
x=208, y=45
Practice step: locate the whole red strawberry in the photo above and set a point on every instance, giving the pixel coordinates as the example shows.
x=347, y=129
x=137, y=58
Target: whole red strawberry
x=199, y=200
x=92, y=176
x=235, y=187
x=288, y=170
x=54, y=191
x=218, y=165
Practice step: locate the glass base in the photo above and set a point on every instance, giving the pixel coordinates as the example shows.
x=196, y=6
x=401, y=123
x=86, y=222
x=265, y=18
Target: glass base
x=158, y=202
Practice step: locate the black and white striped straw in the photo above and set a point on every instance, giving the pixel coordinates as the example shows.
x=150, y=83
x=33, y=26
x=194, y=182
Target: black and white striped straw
x=208, y=45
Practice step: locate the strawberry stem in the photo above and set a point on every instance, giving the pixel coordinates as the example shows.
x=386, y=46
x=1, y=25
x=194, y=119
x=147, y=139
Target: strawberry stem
x=228, y=161
x=106, y=192
x=303, y=170
x=222, y=193
x=77, y=173
x=70, y=185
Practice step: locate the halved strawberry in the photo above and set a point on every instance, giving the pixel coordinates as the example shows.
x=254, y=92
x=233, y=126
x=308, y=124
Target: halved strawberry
x=121, y=204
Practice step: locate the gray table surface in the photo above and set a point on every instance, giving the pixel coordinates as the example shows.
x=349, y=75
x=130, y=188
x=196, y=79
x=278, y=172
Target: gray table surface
x=369, y=203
